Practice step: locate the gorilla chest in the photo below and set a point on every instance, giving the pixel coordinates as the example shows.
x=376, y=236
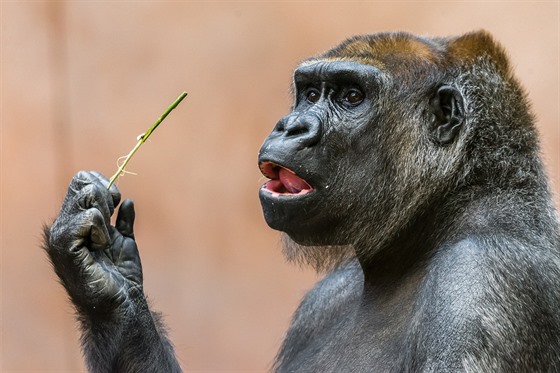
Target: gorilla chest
x=357, y=340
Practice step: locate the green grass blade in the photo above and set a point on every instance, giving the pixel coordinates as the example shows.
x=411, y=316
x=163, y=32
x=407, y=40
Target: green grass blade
x=142, y=139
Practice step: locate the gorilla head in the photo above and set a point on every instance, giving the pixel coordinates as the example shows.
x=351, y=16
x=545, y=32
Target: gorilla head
x=387, y=137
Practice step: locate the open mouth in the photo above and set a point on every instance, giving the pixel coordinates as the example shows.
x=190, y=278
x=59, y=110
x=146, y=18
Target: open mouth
x=283, y=181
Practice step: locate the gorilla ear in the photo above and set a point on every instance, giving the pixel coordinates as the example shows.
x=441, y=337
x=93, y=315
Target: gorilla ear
x=449, y=114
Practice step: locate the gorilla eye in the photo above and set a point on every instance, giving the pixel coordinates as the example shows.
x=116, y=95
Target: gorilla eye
x=312, y=95
x=354, y=97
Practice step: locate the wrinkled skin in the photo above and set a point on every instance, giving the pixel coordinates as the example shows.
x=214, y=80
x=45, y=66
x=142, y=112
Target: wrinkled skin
x=99, y=266
x=105, y=256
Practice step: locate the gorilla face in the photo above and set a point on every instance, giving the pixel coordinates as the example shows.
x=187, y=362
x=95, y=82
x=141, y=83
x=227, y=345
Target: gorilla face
x=370, y=142
x=312, y=156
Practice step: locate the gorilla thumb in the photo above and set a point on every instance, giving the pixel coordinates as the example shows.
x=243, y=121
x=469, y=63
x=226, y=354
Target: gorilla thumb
x=125, y=219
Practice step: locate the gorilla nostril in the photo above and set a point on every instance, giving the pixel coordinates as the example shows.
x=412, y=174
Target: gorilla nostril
x=296, y=131
x=305, y=129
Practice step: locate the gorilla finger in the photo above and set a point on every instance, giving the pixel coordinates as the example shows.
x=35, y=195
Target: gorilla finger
x=92, y=197
x=78, y=182
x=112, y=196
x=96, y=230
x=86, y=229
x=114, y=190
x=131, y=265
x=125, y=218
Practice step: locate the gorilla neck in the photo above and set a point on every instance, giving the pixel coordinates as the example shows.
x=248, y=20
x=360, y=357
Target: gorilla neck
x=381, y=249
x=392, y=249
x=399, y=246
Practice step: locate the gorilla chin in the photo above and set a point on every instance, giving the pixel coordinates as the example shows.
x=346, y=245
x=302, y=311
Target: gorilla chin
x=293, y=214
x=284, y=199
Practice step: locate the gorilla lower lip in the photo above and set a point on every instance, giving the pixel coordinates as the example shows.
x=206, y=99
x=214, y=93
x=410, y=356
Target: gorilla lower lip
x=283, y=180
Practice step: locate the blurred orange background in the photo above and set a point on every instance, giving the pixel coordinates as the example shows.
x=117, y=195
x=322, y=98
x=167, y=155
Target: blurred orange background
x=79, y=82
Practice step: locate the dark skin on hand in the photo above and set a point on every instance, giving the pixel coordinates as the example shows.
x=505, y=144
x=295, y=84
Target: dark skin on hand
x=408, y=172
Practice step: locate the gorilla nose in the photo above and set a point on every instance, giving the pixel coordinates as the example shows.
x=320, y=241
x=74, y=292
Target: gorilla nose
x=304, y=129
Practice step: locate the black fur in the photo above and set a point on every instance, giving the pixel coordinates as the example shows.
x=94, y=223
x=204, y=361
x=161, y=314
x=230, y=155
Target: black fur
x=408, y=171
x=435, y=181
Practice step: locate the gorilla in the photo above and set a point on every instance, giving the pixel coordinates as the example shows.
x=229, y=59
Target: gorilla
x=408, y=172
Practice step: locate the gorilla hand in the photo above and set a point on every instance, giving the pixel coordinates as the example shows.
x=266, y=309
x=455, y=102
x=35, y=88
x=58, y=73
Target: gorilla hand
x=97, y=263
x=99, y=266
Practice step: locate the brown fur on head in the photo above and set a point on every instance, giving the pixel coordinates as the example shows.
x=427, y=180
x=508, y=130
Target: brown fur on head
x=401, y=51
x=469, y=47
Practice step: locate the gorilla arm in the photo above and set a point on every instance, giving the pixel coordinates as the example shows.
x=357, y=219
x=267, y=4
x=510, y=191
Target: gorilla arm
x=100, y=268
